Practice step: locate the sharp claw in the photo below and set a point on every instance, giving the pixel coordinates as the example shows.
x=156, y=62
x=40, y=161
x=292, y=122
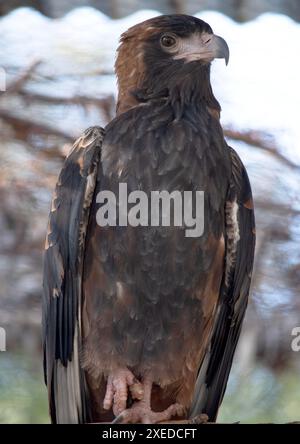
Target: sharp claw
x=136, y=390
x=118, y=419
x=200, y=419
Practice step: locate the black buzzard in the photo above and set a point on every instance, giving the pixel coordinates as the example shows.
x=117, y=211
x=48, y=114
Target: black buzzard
x=141, y=322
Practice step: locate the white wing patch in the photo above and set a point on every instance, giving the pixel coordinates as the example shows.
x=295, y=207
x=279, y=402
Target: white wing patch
x=233, y=236
x=67, y=389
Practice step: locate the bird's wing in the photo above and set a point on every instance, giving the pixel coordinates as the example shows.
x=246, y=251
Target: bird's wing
x=63, y=261
x=240, y=245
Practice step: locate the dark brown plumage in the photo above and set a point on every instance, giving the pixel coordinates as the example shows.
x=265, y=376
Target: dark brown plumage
x=146, y=309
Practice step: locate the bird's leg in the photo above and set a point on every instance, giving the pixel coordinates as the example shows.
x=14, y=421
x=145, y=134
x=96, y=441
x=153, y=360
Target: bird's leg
x=118, y=384
x=141, y=412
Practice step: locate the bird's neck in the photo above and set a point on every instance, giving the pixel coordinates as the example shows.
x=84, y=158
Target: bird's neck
x=189, y=89
x=193, y=91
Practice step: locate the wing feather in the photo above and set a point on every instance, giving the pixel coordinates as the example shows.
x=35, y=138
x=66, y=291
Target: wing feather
x=240, y=245
x=64, y=250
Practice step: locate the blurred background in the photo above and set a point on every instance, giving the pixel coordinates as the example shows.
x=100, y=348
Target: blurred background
x=56, y=79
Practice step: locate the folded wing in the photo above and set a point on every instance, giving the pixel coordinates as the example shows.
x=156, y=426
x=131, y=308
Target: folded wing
x=233, y=299
x=63, y=260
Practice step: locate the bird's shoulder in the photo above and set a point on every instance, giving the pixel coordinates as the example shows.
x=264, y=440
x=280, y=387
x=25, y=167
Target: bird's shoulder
x=146, y=116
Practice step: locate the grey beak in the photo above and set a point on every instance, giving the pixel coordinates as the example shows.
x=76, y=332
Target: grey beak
x=219, y=48
x=205, y=47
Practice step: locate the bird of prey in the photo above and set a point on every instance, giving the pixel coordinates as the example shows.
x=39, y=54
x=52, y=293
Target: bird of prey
x=141, y=322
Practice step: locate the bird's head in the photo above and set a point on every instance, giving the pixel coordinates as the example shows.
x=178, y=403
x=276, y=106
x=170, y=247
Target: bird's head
x=163, y=53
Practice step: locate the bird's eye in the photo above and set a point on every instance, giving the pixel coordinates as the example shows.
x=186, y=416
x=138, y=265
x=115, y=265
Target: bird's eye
x=168, y=41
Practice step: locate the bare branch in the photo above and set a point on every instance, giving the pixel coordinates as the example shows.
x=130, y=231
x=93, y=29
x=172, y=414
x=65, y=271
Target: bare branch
x=18, y=84
x=26, y=127
x=258, y=139
x=106, y=104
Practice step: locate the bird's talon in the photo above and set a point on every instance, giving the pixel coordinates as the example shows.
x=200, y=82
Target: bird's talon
x=140, y=412
x=199, y=419
x=119, y=383
x=136, y=390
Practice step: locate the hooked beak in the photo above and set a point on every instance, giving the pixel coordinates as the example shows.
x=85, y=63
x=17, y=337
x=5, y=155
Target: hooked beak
x=206, y=47
x=219, y=48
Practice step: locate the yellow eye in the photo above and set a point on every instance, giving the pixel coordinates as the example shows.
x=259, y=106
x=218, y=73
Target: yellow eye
x=168, y=41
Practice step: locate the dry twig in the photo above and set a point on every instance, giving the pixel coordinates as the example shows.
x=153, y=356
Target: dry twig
x=258, y=140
